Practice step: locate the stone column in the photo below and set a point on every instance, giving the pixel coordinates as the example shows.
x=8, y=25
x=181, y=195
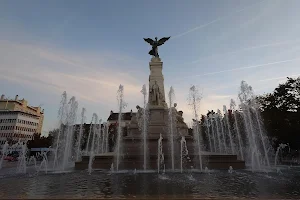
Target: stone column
x=156, y=76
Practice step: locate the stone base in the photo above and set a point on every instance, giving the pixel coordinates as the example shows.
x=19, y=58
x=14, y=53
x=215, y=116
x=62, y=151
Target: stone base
x=133, y=158
x=131, y=162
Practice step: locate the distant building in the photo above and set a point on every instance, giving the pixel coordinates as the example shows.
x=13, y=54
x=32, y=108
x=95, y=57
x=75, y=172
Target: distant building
x=17, y=125
x=125, y=120
x=22, y=105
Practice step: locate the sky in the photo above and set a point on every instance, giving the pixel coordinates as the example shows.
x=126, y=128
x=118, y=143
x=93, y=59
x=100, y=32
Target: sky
x=88, y=48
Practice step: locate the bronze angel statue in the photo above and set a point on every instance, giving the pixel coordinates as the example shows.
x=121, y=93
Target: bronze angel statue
x=155, y=44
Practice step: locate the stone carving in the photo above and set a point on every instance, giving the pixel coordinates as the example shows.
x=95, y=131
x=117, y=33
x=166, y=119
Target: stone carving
x=156, y=97
x=155, y=44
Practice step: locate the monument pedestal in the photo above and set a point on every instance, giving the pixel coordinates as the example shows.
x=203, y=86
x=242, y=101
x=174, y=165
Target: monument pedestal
x=158, y=121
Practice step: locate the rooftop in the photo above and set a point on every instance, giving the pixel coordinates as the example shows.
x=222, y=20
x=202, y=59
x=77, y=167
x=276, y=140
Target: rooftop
x=20, y=102
x=16, y=112
x=125, y=116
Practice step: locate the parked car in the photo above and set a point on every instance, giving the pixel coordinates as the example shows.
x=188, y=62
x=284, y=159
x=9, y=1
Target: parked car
x=12, y=157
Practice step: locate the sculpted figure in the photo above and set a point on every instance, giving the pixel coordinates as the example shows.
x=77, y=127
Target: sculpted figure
x=155, y=43
x=156, y=97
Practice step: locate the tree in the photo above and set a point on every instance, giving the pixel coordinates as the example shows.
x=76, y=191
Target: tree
x=281, y=112
x=41, y=142
x=285, y=98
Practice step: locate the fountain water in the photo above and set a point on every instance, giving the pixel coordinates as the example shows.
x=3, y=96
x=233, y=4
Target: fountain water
x=222, y=131
x=208, y=125
x=22, y=167
x=99, y=138
x=171, y=126
x=62, y=115
x=262, y=138
x=279, y=148
x=102, y=138
x=144, y=128
x=68, y=136
x=217, y=119
x=206, y=170
x=87, y=147
x=44, y=164
x=213, y=131
x=106, y=137
x=4, y=153
x=195, y=101
x=64, y=144
x=160, y=154
x=226, y=115
x=78, y=151
x=92, y=150
x=256, y=139
x=183, y=152
x=112, y=167
x=32, y=161
x=122, y=105
x=232, y=107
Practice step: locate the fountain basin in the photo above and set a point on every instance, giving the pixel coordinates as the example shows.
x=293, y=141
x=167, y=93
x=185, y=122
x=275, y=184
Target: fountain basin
x=135, y=161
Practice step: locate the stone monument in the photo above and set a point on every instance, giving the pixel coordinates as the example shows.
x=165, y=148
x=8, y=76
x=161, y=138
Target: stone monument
x=158, y=124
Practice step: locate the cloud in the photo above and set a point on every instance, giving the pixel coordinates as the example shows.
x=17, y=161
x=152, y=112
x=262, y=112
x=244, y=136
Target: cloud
x=214, y=21
x=40, y=67
x=247, y=49
x=242, y=68
x=280, y=78
x=91, y=77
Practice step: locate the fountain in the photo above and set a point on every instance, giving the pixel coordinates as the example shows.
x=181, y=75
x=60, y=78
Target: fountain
x=160, y=154
x=228, y=128
x=143, y=148
x=171, y=126
x=92, y=150
x=79, y=140
x=32, y=161
x=105, y=145
x=220, y=121
x=279, y=148
x=194, y=102
x=44, y=164
x=208, y=125
x=183, y=153
x=99, y=138
x=4, y=153
x=214, y=127
x=112, y=167
x=144, y=127
x=232, y=107
x=64, y=141
x=22, y=166
x=256, y=139
x=68, y=136
x=61, y=115
x=217, y=117
x=119, y=136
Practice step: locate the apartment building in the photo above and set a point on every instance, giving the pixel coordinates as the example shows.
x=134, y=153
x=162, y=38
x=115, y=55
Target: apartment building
x=15, y=104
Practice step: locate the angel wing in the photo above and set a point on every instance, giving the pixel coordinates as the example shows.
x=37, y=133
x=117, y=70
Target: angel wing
x=149, y=40
x=162, y=40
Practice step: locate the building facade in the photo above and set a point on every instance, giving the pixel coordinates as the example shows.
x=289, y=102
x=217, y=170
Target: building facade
x=125, y=120
x=17, y=125
x=22, y=105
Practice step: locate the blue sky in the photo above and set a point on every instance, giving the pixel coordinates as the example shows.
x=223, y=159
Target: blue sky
x=90, y=47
